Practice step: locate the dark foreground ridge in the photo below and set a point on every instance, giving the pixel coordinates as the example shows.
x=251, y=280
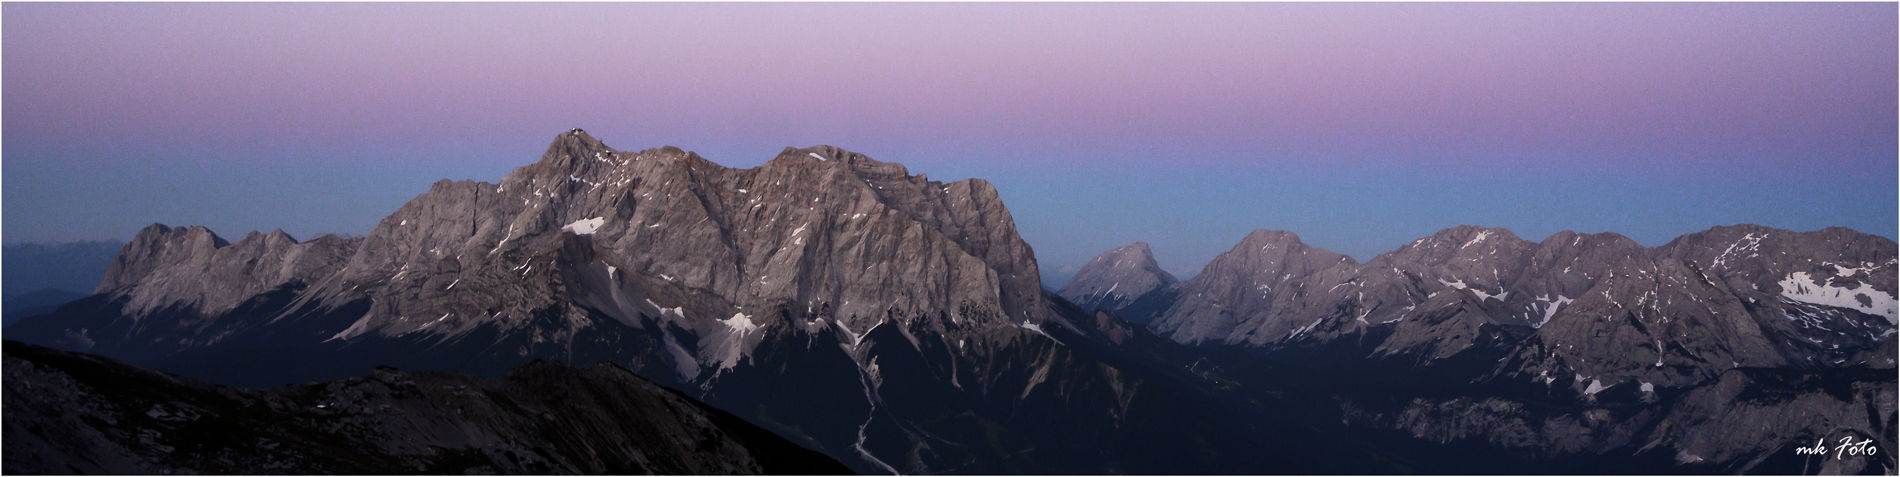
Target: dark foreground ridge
x=79, y=413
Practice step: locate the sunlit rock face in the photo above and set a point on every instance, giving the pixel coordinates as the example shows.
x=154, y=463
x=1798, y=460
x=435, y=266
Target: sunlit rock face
x=1122, y=280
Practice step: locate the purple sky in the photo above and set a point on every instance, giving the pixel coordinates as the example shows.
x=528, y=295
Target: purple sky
x=1359, y=126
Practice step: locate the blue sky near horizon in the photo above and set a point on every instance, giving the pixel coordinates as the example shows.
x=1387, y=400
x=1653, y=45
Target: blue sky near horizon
x=1358, y=126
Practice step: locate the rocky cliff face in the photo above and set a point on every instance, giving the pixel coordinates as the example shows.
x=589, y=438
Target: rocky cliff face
x=78, y=413
x=1119, y=279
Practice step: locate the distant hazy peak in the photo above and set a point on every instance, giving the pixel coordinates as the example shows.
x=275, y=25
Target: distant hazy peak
x=1117, y=277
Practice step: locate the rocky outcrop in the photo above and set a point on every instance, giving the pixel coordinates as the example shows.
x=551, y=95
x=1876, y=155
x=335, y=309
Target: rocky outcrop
x=1117, y=279
x=77, y=413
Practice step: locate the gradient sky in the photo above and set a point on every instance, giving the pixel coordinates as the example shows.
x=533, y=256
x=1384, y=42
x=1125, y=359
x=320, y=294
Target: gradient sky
x=1358, y=126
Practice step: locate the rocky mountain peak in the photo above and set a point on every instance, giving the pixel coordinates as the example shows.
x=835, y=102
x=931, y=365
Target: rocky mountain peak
x=1277, y=247
x=833, y=154
x=571, y=155
x=1465, y=243
x=573, y=145
x=192, y=266
x=880, y=176
x=275, y=238
x=155, y=246
x=1587, y=243
x=1244, y=284
x=1481, y=261
x=1567, y=264
x=1117, y=278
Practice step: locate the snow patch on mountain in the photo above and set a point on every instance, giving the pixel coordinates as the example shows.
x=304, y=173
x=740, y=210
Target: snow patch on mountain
x=584, y=226
x=1801, y=287
x=1736, y=249
x=1482, y=296
x=1596, y=386
x=726, y=351
x=740, y=323
x=1036, y=328
x=1550, y=308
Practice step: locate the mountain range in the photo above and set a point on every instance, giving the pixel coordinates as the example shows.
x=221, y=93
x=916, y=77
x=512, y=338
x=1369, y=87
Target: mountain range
x=899, y=325
x=1593, y=305
x=1477, y=327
